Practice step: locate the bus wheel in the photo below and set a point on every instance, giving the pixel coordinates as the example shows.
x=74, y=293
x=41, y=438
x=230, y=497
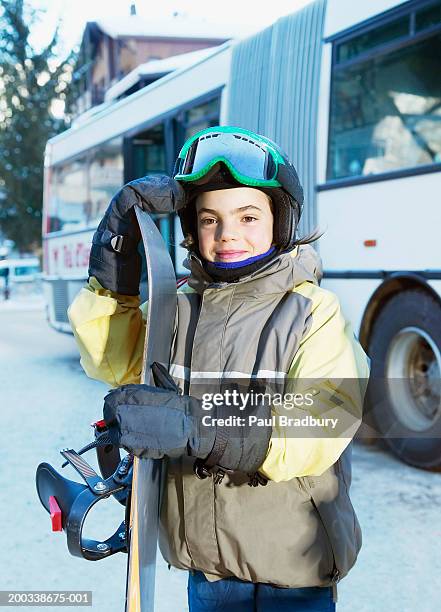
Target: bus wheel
x=405, y=388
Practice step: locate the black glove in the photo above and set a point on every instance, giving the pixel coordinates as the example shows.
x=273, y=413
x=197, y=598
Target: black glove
x=114, y=258
x=152, y=422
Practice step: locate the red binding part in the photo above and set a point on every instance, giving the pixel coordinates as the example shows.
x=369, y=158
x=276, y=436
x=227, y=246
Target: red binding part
x=56, y=515
x=100, y=425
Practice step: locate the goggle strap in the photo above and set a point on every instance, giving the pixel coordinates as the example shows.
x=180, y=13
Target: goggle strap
x=284, y=176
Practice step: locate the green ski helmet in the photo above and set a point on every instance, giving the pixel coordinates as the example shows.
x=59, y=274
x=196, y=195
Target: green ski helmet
x=223, y=157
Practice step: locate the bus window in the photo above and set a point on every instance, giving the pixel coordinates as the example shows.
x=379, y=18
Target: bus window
x=147, y=156
x=200, y=117
x=374, y=38
x=106, y=176
x=428, y=17
x=69, y=205
x=148, y=152
x=385, y=107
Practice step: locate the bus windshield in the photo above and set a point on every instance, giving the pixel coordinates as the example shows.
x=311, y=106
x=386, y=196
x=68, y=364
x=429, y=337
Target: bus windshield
x=80, y=189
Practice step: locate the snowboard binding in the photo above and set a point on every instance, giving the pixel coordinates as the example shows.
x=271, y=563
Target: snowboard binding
x=68, y=502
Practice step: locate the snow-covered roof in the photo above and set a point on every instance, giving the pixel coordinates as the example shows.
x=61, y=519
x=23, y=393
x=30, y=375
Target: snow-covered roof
x=158, y=68
x=174, y=27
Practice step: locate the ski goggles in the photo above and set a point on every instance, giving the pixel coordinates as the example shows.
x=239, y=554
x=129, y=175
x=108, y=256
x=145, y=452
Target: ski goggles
x=250, y=160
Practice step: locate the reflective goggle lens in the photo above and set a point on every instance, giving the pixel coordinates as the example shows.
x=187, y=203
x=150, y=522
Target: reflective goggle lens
x=247, y=157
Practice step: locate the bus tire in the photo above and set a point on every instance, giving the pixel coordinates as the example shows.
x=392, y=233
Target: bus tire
x=404, y=398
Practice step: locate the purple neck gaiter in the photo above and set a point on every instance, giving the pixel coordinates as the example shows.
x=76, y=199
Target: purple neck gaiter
x=231, y=271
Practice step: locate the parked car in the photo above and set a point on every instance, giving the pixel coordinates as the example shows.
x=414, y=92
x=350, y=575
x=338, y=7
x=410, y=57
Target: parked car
x=18, y=274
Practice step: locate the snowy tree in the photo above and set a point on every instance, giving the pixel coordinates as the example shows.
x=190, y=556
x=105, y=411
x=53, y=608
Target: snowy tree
x=33, y=83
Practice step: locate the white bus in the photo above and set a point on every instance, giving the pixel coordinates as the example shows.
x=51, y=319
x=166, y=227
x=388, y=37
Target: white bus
x=351, y=91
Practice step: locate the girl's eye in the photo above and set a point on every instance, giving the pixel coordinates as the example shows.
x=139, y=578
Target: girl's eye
x=249, y=219
x=207, y=221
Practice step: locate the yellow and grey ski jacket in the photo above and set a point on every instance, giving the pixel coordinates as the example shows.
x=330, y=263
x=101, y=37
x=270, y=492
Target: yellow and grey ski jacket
x=278, y=323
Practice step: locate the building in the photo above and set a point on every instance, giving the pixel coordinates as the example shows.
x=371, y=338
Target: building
x=113, y=48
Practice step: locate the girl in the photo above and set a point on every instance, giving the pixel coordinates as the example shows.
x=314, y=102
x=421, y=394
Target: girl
x=252, y=323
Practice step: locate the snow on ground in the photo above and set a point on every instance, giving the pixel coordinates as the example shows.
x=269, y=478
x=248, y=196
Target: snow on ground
x=23, y=296
x=47, y=404
x=31, y=302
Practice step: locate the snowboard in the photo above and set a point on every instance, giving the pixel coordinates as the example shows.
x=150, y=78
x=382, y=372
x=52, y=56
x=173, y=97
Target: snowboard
x=147, y=482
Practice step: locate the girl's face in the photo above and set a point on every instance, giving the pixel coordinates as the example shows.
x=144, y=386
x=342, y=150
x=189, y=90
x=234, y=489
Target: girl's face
x=234, y=224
